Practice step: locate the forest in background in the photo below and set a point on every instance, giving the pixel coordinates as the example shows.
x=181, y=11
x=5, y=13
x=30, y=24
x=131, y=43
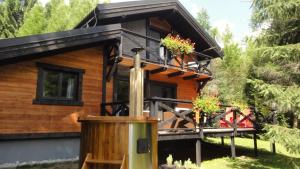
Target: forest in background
x=264, y=74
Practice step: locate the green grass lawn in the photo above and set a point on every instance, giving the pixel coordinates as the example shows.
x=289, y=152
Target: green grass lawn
x=265, y=159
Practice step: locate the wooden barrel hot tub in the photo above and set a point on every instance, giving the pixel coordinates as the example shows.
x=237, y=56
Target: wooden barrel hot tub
x=118, y=142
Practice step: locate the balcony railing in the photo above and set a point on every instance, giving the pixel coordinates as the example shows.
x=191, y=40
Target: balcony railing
x=155, y=53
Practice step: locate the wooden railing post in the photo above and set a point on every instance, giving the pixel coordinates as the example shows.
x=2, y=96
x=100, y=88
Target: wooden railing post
x=232, y=137
x=198, y=152
x=255, y=144
x=233, y=153
x=234, y=122
x=182, y=61
x=201, y=124
x=153, y=108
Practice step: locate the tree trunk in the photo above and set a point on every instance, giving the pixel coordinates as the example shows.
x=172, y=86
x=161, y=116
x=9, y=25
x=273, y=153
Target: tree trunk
x=295, y=121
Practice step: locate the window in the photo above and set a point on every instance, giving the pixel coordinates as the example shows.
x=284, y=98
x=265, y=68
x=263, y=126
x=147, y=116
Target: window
x=58, y=85
x=158, y=52
x=122, y=89
x=163, y=90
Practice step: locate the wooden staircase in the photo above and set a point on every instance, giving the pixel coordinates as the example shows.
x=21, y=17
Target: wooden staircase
x=90, y=163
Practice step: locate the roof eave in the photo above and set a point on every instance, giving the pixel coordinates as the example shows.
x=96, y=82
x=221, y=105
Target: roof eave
x=17, y=48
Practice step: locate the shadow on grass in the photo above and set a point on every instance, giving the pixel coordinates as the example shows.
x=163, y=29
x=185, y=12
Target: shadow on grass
x=265, y=160
x=182, y=150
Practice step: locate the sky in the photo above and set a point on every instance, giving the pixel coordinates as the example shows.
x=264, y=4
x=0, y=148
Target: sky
x=235, y=14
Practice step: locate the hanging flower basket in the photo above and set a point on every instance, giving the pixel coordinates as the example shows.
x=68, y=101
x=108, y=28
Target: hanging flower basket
x=176, y=44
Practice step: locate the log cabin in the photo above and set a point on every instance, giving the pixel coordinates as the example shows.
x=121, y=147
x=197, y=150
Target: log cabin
x=47, y=81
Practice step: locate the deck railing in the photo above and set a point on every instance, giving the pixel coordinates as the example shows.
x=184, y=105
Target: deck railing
x=170, y=116
x=173, y=115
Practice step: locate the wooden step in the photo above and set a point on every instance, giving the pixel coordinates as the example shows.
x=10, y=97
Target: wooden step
x=113, y=162
x=89, y=160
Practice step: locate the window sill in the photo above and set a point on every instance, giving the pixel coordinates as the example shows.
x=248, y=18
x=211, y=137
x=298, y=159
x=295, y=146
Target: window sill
x=57, y=102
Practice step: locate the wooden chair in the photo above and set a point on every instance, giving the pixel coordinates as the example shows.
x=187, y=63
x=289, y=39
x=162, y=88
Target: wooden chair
x=88, y=162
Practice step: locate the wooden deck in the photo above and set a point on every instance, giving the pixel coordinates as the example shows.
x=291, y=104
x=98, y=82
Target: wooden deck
x=166, y=135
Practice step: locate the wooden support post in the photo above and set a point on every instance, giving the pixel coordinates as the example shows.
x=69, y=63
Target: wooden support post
x=255, y=144
x=103, y=98
x=153, y=108
x=233, y=154
x=201, y=126
x=198, y=152
x=222, y=140
x=234, y=123
x=273, y=147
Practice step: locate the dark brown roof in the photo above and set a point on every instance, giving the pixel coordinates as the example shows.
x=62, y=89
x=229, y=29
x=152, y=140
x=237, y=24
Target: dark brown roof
x=18, y=48
x=172, y=10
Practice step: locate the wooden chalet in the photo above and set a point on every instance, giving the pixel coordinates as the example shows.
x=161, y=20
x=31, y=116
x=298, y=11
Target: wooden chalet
x=47, y=81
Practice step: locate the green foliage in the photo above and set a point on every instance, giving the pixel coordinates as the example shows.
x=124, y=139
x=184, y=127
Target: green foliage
x=277, y=65
x=78, y=12
x=169, y=160
x=189, y=165
x=286, y=99
x=289, y=138
x=274, y=76
x=178, y=164
x=274, y=10
x=58, y=16
x=34, y=22
x=230, y=73
x=283, y=18
x=33, y=18
x=12, y=16
x=203, y=19
x=207, y=104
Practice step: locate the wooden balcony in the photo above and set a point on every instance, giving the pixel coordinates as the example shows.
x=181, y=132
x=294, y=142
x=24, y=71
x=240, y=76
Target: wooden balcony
x=157, y=59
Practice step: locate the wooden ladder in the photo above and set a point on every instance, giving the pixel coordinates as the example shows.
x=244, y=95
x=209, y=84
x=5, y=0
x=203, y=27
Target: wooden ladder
x=89, y=161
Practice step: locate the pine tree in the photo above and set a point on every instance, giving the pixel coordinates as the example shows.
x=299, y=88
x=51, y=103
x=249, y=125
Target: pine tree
x=55, y=16
x=58, y=16
x=34, y=22
x=203, y=19
x=12, y=16
x=275, y=73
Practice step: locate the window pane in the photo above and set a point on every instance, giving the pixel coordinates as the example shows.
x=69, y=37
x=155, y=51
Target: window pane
x=68, y=86
x=51, y=84
x=123, y=90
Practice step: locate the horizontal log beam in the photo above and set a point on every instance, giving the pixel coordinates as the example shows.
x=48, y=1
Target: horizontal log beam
x=143, y=64
x=115, y=60
x=191, y=77
x=155, y=71
x=174, y=74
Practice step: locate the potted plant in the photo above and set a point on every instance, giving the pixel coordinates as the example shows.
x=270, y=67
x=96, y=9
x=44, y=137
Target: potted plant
x=178, y=45
x=205, y=104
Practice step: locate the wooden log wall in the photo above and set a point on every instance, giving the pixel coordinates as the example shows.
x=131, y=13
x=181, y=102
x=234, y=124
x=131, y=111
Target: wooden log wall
x=186, y=89
x=18, y=84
